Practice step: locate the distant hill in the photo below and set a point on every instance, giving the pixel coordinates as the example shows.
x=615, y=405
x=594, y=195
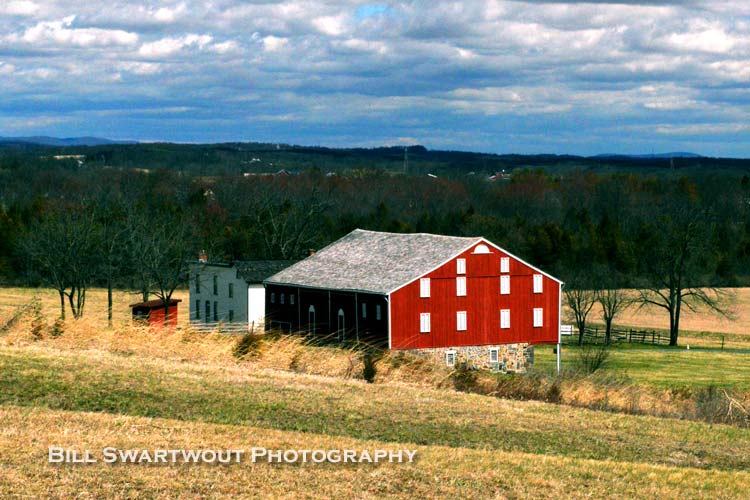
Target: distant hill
x=676, y=154
x=62, y=142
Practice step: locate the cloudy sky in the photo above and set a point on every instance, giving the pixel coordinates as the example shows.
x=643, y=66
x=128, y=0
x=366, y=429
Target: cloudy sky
x=496, y=76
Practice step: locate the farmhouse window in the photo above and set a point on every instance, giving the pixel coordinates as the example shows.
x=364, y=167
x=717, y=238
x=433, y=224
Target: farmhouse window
x=216, y=285
x=461, y=287
x=197, y=283
x=504, y=285
x=377, y=312
x=461, y=266
x=231, y=315
x=273, y=298
x=208, y=311
x=424, y=287
x=494, y=355
x=364, y=310
x=538, y=315
x=231, y=290
x=311, y=319
x=291, y=299
x=505, y=264
x=216, y=311
x=197, y=309
x=450, y=358
x=281, y=299
x=538, y=283
x=505, y=318
x=461, y=321
x=424, y=323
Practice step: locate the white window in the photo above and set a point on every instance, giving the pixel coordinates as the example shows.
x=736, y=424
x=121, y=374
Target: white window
x=504, y=285
x=450, y=358
x=494, y=358
x=364, y=310
x=461, y=321
x=273, y=298
x=281, y=299
x=460, y=287
x=538, y=317
x=505, y=264
x=291, y=298
x=424, y=287
x=460, y=266
x=377, y=312
x=480, y=249
x=424, y=323
x=505, y=318
x=538, y=283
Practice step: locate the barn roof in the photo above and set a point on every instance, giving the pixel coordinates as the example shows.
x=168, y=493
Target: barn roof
x=371, y=261
x=255, y=271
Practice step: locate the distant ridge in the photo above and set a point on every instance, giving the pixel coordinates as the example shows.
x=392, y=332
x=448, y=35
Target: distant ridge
x=62, y=142
x=676, y=154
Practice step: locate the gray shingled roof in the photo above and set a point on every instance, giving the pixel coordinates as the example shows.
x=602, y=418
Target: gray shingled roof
x=371, y=261
x=255, y=271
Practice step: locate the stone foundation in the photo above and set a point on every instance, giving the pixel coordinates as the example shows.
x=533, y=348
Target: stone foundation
x=511, y=358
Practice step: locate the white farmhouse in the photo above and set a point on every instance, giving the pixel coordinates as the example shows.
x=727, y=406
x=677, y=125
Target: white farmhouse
x=231, y=293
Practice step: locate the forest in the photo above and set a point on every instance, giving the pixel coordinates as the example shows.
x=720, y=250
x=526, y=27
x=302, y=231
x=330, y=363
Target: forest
x=130, y=216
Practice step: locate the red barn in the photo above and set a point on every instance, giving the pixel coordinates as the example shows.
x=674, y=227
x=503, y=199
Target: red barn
x=453, y=299
x=153, y=312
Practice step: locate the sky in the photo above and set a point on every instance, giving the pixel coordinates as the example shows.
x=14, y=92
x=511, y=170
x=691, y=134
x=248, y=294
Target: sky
x=496, y=76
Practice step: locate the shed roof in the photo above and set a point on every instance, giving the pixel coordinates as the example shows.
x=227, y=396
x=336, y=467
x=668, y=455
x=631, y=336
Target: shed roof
x=155, y=303
x=371, y=261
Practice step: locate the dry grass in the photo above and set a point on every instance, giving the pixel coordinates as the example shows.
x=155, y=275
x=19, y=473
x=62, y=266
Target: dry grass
x=440, y=472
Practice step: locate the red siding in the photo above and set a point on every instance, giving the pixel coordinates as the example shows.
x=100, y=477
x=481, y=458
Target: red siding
x=482, y=304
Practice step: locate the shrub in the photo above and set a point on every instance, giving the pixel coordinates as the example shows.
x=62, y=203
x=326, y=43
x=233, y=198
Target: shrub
x=592, y=357
x=464, y=378
x=369, y=370
x=247, y=346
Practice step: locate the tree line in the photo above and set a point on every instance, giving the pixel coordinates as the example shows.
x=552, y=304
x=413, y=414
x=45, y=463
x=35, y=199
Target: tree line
x=676, y=239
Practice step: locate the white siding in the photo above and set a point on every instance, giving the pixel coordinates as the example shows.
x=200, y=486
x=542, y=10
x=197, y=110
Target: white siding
x=220, y=302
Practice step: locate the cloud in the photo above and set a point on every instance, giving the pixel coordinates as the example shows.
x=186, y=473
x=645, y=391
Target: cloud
x=62, y=32
x=523, y=76
x=168, y=46
x=18, y=8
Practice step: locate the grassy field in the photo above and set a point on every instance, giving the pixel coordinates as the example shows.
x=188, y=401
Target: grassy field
x=663, y=367
x=468, y=446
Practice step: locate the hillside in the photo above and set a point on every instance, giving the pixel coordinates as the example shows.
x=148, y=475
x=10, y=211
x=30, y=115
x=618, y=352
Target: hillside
x=234, y=158
x=468, y=446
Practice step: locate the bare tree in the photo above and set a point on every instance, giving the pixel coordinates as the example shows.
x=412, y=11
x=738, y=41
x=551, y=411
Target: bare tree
x=613, y=301
x=678, y=260
x=62, y=250
x=580, y=301
x=160, y=252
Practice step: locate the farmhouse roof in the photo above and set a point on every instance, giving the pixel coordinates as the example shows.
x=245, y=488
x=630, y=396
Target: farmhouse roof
x=375, y=262
x=255, y=271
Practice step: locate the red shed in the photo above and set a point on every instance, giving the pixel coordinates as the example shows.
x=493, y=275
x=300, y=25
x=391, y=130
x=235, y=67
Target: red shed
x=454, y=299
x=153, y=312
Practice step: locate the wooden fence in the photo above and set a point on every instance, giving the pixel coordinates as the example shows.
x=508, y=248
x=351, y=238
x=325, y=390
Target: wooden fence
x=596, y=335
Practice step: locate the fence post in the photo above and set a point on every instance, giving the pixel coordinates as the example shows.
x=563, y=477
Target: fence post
x=630, y=336
x=722, y=342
